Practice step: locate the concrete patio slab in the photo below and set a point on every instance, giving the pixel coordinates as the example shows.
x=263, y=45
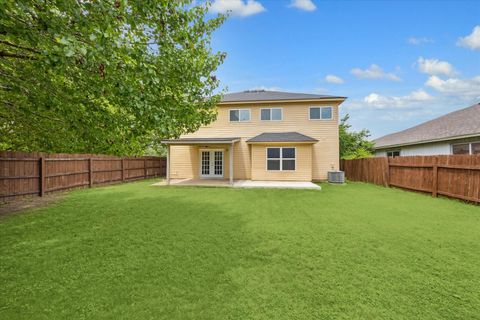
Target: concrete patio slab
x=240, y=183
x=195, y=182
x=276, y=184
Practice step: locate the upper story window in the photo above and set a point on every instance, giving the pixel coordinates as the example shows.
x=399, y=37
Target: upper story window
x=321, y=113
x=239, y=115
x=466, y=148
x=271, y=114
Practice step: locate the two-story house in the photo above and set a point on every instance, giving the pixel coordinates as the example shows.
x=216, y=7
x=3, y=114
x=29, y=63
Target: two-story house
x=262, y=135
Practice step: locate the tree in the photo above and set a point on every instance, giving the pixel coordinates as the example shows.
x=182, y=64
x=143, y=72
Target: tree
x=111, y=76
x=353, y=144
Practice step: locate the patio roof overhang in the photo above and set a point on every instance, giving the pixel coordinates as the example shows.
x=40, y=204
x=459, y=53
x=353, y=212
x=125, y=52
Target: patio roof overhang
x=200, y=141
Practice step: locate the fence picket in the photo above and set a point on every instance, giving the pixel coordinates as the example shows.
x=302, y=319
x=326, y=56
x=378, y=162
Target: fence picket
x=42, y=169
x=456, y=176
x=23, y=173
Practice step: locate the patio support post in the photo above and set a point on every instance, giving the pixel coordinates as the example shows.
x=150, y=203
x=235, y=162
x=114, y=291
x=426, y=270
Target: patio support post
x=230, y=171
x=168, y=165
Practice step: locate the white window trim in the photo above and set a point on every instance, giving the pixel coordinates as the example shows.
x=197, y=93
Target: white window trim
x=281, y=158
x=281, y=112
x=320, y=107
x=470, y=149
x=239, y=121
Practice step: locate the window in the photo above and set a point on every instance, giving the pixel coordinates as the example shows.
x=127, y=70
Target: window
x=461, y=148
x=271, y=114
x=321, y=113
x=239, y=115
x=393, y=154
x=466, y=148
x=476, y=148
x=281, y=159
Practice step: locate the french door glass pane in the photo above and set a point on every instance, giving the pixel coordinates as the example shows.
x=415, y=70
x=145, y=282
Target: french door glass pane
x=205, y=162
x=218, y=164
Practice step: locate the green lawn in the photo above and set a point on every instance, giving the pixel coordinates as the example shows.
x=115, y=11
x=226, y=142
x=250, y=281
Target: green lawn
x=138, y=252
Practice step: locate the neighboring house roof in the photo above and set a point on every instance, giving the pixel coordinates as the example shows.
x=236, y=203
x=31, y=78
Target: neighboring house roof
x=263, y=95
x=459, y=124
x=282, y=137
x=201, y=140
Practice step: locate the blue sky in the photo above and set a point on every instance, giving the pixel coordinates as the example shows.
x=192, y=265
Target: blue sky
x=400, y=63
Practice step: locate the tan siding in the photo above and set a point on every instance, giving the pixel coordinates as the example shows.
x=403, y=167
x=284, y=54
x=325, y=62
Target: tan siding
x=183, y=162
x=303, y=165
x=295, y=118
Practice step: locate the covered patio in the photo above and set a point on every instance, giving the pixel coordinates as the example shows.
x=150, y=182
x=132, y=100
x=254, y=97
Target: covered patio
x=211, y=160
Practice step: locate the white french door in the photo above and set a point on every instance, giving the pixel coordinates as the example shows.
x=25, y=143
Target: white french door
x=211, y=163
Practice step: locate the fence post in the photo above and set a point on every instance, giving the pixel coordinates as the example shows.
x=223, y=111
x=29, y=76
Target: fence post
x=42, y=170
x=145, y=168
x=90, y=172
x=123, y=169
x=435, y=177
x=387, y=173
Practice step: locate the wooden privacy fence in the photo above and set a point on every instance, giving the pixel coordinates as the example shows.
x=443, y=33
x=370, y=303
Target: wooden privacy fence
x=456, y=176
x=38, y=173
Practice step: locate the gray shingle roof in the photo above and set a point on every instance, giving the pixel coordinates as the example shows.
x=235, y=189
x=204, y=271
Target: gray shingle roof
x=282, y=137
x=263, y=95
x=457, y=124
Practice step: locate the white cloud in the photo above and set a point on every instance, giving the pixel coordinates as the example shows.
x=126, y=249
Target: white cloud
x=306, y=5
x=374, y=72
x=435, y=66
x=463, y=88
x=334, y=79
x=240, y=8
x=419, y=40
x=471, y=41
x=413, y=99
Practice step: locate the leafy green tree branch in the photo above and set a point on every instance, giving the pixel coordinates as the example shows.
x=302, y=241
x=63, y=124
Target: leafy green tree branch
x=354, y=144
x=109, y=77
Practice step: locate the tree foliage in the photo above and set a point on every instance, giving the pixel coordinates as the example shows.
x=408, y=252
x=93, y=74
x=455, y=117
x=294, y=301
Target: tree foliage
x=110, y=76
x=353, y=144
